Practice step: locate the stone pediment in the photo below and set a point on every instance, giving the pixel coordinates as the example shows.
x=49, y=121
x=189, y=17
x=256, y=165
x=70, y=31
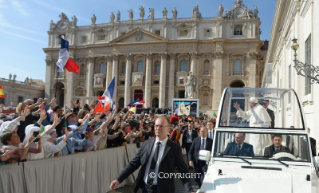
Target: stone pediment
x=139, y=35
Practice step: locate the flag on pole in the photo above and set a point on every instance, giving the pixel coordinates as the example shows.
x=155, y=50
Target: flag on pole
x=215, y=116
x=108, y=95
x=64, y=60
x=1, y=92
x=98, y=108
x=133, y=103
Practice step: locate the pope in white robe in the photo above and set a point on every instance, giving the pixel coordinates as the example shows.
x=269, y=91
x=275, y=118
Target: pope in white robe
x=257, y=117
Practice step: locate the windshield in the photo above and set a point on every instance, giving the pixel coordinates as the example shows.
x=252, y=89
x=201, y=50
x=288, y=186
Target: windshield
x=261, y=107
x=285, y=147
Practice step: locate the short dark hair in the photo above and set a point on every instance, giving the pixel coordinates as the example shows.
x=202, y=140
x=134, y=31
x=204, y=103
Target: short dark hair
x=243, y=134
x=56, y=108
x=6, y=136
x=266, y=100
x=276, y=135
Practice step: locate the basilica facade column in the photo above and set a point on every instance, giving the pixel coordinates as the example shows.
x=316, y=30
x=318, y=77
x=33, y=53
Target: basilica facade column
x=70, y=91
x=171, y=79
x=162, y=81
x=128, y=73
x=148, y=81
x=108, y=70
x=114, y=73
x=218, y=78
x=193, y=63
x=89, y=81
x=48, y=78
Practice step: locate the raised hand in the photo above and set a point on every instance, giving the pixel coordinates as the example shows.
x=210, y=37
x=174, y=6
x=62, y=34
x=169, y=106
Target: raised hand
x=236, y=106
x=56, y=119
x=53, y=101
x=43, y=115
x=39, y=101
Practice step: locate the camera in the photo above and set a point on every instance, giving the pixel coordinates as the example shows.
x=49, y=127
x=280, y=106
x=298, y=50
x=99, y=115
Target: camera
x=35, y=134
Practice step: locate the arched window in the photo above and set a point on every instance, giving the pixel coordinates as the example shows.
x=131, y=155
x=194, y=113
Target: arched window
x=82, y=71
x=123, y=66
x=237, y=67
x=155, y=102
x=102, y=68
x=140, y=66
x=183, y=66
x=157, y=68
x=121, y=102
x=206, y=67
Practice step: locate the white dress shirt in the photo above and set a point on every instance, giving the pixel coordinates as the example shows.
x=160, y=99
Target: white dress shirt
x=160, y=154
x=210, y=133
x=201, y=141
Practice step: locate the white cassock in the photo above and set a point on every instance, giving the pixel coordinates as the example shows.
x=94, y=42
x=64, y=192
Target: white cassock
x=258, y=117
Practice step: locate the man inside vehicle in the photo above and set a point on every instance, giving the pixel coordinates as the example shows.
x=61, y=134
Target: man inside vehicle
x=257, y=117
x=276, y=147
x=239, y=147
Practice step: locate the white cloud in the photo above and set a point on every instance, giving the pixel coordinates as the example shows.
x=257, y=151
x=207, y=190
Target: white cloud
x=24, y=37
x=20, y=7
x=3, y=5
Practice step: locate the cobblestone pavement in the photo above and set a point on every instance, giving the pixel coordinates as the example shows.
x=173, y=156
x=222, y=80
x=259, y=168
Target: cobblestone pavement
x=178, y=186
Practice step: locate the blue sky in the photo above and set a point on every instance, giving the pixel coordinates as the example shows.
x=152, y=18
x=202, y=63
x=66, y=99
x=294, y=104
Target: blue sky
x=24, y=24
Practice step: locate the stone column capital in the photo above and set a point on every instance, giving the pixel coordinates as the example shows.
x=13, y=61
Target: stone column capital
x=90, y=59
x=163, y=56
x=172, y=56
x=128, y=57
x=193, y=55
x=149, y=56
x=108, y=58
x=48, y=62
x=219, y=54
x=115, y=57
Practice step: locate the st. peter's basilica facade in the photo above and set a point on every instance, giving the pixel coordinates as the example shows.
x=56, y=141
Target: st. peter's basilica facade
x=151, y=57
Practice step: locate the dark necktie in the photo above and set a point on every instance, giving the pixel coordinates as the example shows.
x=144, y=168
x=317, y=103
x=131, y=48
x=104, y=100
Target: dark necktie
x=238, y=149
x=153, y=164
x=202, y=146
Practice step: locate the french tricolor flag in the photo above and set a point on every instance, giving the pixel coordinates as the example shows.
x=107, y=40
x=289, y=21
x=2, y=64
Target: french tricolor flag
x=108, y=95
x=64, y=60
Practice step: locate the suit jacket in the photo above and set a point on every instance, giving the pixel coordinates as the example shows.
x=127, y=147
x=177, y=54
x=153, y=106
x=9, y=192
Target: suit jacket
x=246, y=150
x=272, y=117
x=193, y=153
x=172, y=158
x=270, y=150
x=185, y=136
x=313, y=146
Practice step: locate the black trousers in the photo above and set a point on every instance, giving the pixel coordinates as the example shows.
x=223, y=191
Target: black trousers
x=201, y=169
x=187, y=147
x=147, y=189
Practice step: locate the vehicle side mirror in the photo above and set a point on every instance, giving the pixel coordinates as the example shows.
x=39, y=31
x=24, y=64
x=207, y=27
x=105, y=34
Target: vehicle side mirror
x=316, y=161
x=204, y=155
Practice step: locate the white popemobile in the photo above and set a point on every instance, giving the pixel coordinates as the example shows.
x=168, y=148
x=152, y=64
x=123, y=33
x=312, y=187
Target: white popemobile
x=258, y=152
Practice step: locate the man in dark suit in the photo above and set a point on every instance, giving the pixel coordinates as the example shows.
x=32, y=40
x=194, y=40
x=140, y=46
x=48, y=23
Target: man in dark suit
x=188, y=137
x=199, y=143
x=271, y=113
x=276, y=147
x=239, y=147
x=157, y=157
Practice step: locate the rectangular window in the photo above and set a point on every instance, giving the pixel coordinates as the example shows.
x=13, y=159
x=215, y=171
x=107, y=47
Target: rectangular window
x=156, y=82
x=158, y=32
x=122, y=82
x=207, y=32
x=308, y=61
x=123, y=69
x=238, y=30
x=83, y=39
x=20, y=99
x=100, y=37
x=183, y=32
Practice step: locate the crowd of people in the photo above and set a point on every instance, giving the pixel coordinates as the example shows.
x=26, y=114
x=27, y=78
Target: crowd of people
x=44, y=129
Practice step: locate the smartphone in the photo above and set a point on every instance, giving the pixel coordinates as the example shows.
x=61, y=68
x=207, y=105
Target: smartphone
x=35, y=134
